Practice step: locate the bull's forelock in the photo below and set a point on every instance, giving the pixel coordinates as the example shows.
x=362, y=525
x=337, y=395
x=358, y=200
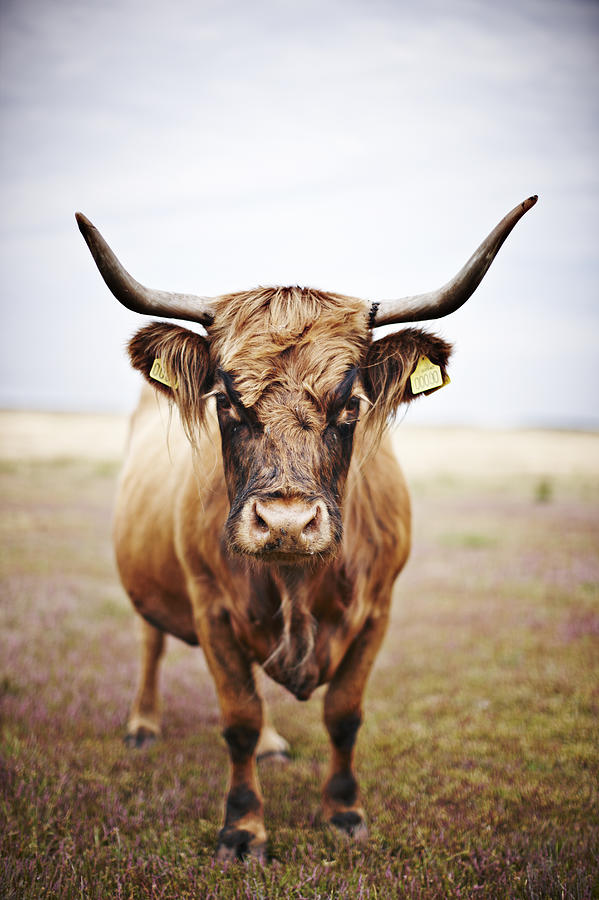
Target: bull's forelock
x=288, y=336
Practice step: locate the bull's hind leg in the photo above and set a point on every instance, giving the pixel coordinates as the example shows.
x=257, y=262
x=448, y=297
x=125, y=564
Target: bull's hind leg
x=143, y=726
x=271, y=745
x=343, y=715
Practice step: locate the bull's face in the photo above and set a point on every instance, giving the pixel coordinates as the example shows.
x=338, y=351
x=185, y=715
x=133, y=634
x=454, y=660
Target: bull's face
x=296, y=382
x=286, y=460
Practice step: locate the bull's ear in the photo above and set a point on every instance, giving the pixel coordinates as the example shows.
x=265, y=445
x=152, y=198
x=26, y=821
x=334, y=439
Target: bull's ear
x=390, y=362
x=176, y=362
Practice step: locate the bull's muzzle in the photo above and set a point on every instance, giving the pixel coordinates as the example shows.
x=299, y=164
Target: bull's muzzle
x=286, y=527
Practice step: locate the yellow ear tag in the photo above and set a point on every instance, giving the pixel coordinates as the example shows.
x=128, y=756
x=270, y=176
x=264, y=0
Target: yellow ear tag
x=158, y=374
x=427, y=377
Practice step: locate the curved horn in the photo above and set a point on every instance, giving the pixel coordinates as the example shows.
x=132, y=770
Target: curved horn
x=134, y=295
x=454, y=294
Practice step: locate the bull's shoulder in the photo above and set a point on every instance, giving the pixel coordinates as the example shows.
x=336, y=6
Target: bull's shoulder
x=166, y=485
x=157, y=437
x=377, y=513
x=376, y=482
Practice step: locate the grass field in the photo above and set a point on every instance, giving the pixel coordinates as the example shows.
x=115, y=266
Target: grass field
x=479, y=756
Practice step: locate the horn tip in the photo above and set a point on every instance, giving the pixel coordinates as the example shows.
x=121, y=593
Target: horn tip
x=83, y=222
x=527, y=204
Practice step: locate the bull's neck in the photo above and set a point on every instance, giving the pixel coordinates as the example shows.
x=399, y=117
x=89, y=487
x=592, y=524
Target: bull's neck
x=272, y=586
x=294, y=579
x=281, y=599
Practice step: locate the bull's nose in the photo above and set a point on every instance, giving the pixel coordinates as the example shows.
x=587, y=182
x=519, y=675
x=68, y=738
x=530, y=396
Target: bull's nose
x=289, y=524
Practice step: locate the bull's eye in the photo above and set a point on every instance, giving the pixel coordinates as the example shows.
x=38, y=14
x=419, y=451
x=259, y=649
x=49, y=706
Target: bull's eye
x=223, y=404
x=227, y=410
x=350, y=413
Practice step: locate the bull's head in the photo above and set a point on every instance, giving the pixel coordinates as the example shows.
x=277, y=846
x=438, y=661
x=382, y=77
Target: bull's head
x=294, y=373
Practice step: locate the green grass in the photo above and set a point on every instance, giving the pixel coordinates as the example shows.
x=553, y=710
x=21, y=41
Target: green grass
x=478, y=759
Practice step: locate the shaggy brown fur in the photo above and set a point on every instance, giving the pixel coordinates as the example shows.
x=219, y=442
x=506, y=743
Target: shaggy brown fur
x=290, y=381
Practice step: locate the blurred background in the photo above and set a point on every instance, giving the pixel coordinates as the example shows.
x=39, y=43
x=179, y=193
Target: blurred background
x=363, y=146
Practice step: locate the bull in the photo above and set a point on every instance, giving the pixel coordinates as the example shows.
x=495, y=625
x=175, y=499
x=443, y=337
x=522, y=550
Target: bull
x=270, y=526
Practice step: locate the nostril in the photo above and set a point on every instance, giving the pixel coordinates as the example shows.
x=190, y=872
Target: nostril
x=313, y=525
x=259, y=524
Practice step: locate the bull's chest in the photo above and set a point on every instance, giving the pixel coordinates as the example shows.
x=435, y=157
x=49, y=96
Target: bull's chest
x=299, y=630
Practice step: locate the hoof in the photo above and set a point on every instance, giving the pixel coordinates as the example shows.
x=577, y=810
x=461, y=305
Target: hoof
x=236, y=844
x=350, y=825
x=280, y=757
x=272, y=745
x=141, y=737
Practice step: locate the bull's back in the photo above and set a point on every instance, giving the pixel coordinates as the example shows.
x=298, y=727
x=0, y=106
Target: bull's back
x=151, y=498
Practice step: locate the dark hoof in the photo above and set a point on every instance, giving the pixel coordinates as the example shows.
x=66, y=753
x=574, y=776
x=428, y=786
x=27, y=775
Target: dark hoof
x=275, y=756
x=236, y=843
x=351, y=825
x=142, y=737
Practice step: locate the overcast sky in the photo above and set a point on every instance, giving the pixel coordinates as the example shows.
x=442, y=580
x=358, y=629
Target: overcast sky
x=361, y=146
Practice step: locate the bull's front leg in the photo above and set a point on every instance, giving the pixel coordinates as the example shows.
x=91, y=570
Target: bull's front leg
x=243, y=831
x=341, y=804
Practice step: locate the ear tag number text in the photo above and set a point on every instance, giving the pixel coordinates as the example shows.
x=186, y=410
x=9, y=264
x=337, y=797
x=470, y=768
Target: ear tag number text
x=427, y=377
x=158, y=374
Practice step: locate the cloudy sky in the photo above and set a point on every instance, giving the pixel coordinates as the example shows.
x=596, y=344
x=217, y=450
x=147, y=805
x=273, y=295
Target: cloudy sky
x=361, y=146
